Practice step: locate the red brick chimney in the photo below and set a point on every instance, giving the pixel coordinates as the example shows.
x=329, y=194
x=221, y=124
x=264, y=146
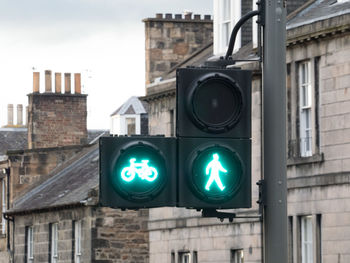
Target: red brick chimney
x=55, y=118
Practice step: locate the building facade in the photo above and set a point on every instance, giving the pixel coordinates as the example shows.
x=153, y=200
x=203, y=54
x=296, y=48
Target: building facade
x=318, y=151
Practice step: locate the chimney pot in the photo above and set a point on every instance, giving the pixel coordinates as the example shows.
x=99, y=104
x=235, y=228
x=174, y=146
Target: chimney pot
x=36, y=81
x=178, y=16
x=27, y=108
x=77, y=83
x=159, y=16
x=58, y=83
x=207, y=17
x=67, y=88
x=9, y=114
x=168, y=16
x=19, y=114
x=48, y=81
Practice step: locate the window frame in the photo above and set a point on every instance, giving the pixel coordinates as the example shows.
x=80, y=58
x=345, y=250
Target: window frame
x=237, y=255
x=77, y=241
x=234, y=14
x=3, y=206
x=306, y=104
x=29, y=251
x=306, y=239
x=54, y=242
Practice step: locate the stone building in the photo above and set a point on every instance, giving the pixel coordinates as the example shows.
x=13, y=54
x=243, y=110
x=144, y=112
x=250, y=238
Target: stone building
x=52, y=189
x=318, y=150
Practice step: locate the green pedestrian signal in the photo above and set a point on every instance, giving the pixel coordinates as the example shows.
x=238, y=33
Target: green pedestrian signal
x=213, y=114
x=216, y=174
x=214, y=167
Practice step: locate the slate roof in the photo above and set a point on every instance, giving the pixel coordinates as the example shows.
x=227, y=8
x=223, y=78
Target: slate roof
x=319, y=10
x=132, y=106
x=69, y=184
x=13, y=139
x=16, y=138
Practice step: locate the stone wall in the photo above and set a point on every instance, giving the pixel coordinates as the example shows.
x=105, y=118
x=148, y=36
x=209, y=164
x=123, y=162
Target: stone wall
x=29, y=168
x=119, y=236
x=172, y=39
x=318, y=186
x=41, y=224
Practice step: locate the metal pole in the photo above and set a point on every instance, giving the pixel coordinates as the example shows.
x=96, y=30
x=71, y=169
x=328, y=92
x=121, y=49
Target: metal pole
x=274, y=132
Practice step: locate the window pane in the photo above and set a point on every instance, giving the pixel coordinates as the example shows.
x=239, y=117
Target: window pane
x=226, y=10
x=306, y=240
x=131, y=126
x=225, y=34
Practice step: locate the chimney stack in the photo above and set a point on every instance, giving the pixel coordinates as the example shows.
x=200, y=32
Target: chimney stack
x=48, y=81
x=56, y=118
x=36, y=81
x=67, y=83
x=19, y=114
x=58, y=85
x=9, y=114
x=77, y=83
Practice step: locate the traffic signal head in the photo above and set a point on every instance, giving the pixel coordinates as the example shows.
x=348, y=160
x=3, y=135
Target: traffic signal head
x=214, y=137
x=137, y=172
x=213, y=103
x=214, y=173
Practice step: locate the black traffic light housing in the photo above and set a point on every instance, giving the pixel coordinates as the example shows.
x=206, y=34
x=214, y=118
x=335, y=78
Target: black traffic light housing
x=213, y=103
x=137, y=172
x=214, y=137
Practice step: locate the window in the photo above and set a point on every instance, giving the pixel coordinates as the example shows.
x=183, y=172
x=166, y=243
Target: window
x=305, y=106
x=306, y=240
x=225, y=22
x=53, y=242
x=3, y=206
x=237, y=256
x=226, y=14
x=29, y=251
x=184, y=257
x=131, y=126
x=77, y=241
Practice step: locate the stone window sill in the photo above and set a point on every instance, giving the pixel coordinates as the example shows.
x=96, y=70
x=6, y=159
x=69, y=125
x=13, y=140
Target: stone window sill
x=316, y=158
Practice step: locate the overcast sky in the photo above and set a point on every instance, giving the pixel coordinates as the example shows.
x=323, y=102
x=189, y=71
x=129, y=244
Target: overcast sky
x=101, y=39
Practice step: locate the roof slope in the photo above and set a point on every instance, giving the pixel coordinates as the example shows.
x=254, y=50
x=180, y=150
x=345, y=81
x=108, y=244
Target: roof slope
x=69, y=184
x=319, y=10
x=12, y=139
x=132, y=106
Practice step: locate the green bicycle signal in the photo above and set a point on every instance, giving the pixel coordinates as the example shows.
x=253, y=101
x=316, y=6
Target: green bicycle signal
x=142, y=169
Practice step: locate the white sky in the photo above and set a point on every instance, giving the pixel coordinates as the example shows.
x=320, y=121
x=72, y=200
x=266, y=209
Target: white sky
x=101, y=39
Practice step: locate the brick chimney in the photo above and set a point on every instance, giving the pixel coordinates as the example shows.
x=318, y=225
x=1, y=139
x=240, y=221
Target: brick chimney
x=172, y=39
x=55, y=118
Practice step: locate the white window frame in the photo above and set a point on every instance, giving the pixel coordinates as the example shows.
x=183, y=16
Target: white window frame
x=305, y=109
x=307, y=239
x=30, y=244
x=237, y=256
x=54, y=242
x=234, y=14
x=3, y=207
x=185, y=257
x=77, y=241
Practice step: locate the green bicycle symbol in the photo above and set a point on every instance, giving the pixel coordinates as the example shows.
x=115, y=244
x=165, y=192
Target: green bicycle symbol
x=142, y=170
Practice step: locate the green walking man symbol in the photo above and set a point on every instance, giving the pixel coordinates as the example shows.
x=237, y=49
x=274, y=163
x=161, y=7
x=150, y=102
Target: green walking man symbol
x=214, y=167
